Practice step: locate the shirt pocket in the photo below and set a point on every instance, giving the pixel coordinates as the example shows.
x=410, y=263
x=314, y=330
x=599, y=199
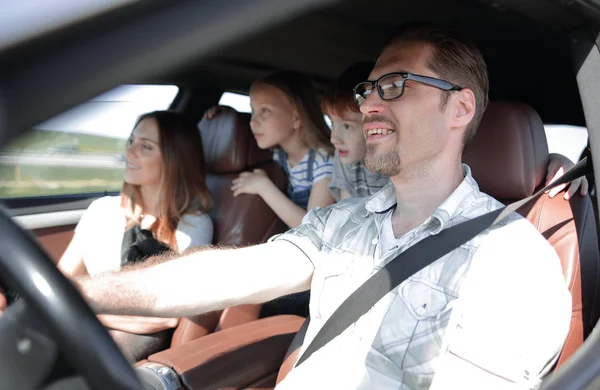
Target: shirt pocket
x=424, y=300
x=430, y=307
x=332, y=283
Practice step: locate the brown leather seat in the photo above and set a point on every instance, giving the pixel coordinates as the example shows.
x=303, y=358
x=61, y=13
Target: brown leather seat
x=509, y=159
x=229, y=149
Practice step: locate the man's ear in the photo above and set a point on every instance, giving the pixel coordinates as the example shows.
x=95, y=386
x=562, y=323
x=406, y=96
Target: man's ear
x=464, y=108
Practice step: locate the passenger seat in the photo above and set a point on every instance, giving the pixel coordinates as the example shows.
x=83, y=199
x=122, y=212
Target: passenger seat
x=230, y=149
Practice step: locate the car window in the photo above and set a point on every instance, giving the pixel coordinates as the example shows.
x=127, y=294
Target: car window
x=567, y=140
x=240, y=102
x=81, y=150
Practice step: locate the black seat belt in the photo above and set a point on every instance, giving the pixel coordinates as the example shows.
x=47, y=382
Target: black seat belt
x=415, y=259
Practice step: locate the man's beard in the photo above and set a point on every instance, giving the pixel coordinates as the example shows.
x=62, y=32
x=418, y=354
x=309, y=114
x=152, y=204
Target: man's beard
x=384, y=164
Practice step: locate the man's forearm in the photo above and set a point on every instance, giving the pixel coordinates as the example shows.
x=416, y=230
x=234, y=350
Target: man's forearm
x=128, y=292
x=201, y=282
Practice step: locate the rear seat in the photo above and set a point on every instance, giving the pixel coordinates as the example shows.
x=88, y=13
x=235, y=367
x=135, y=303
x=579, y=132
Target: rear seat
x=229, y=149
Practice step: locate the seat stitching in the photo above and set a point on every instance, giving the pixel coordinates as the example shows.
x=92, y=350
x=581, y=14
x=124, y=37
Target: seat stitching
x=572, y=284
x=569, y=337
x=540, y=214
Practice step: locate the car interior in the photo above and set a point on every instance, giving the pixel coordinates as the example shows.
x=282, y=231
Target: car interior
x=543, y=58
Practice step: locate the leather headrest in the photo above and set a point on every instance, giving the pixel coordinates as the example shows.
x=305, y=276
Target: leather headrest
x=229, y=146
x=509, y=154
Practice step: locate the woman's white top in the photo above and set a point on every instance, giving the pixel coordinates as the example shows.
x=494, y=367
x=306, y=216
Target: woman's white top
x=100, y=231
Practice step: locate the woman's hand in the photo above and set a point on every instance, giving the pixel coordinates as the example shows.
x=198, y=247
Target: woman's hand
x=250, y=183
x=558, y=165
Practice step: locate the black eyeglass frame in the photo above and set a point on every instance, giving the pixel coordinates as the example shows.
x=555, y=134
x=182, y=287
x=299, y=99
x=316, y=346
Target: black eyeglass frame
x=431, y=81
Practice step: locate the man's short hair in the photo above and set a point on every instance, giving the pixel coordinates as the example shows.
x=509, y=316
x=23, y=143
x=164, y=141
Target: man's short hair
x=455, y=59
x=339, y=96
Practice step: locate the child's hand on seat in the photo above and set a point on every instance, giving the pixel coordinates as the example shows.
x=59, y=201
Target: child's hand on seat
x=250, y=183
x=557, y=167
x=3, y=302
x=212, y=112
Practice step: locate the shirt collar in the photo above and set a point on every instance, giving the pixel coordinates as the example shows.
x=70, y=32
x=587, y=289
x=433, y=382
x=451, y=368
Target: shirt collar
x=385, y=200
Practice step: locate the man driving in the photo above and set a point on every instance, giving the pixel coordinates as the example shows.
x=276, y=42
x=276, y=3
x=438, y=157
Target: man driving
x=466, y=321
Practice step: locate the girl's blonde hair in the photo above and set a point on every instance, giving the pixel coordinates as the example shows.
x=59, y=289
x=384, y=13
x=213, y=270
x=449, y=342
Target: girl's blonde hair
x=299, y=89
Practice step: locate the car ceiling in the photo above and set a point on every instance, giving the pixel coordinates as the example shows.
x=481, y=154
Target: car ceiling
x=525, y=46
x=226, y=45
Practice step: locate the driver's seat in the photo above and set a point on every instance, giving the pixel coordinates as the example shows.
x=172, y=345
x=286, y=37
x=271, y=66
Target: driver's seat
x=509, y=159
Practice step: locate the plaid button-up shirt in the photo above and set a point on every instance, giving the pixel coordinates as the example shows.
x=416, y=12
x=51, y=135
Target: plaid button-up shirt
x=493, y=313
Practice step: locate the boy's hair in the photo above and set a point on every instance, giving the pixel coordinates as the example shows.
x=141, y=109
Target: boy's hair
x=299, y=89
x=339, y=96
x=455, y=59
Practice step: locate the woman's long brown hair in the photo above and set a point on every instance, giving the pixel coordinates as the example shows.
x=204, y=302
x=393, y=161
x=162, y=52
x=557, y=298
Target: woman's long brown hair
x=183, y=187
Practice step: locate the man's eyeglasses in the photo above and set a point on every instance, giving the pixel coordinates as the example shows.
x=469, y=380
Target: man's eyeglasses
x=391, y=86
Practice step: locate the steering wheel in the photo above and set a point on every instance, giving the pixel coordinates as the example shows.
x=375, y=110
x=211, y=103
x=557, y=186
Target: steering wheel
x=51, y=301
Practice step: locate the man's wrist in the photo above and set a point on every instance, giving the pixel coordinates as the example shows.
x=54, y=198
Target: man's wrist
x=79, y=283
x=82, y=284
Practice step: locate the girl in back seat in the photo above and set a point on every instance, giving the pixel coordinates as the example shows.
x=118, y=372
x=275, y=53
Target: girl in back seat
x=286, y=116
x=163, y=206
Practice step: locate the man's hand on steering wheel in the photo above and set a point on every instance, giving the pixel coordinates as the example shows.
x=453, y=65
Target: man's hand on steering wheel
x=50, y=313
